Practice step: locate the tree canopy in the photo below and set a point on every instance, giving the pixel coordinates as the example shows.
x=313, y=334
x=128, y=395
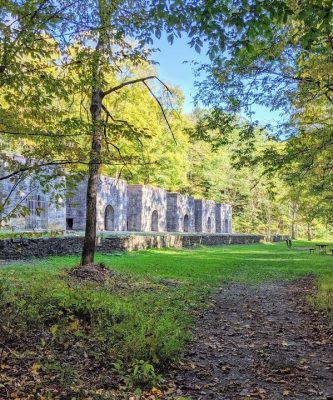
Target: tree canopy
x=78, y=88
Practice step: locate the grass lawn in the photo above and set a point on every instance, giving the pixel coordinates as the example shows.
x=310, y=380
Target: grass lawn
x=97, y=341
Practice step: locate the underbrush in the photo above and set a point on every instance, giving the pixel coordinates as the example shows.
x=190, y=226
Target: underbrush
x=82, y=335
x=30, y=234
x=323, y=299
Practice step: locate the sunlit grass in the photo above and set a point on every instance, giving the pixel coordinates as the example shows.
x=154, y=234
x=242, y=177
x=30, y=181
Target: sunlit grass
x=148, y=322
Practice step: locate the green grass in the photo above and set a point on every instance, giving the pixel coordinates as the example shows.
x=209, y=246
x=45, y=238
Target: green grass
x=147, y=321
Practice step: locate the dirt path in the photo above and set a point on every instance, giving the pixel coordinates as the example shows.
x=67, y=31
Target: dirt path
x=260, y=342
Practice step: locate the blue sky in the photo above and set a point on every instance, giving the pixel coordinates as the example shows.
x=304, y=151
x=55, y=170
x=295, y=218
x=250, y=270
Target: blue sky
x=173, y=70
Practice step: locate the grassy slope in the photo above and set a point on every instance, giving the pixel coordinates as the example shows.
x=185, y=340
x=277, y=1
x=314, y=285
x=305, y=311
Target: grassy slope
x=150, y=321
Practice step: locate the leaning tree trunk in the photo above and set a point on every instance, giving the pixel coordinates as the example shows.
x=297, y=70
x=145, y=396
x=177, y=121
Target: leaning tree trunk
x=89, y=245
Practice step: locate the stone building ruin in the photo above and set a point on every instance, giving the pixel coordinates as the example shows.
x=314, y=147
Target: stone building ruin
x=120, y=207
x=205, y=216
x=180, y=213
x=29, y=204
x=223, y=218
x=146, y=209
x=111, y=205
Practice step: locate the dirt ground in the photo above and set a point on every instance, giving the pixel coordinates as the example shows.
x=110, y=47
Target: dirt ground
x=263, y=342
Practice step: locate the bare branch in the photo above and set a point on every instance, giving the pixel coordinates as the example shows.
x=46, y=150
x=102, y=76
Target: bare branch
x=13, y=188
x=122, y=121
x=127, y=83
x=16, y=206
x=55, y=163
x=108, y=115
x=162, y=109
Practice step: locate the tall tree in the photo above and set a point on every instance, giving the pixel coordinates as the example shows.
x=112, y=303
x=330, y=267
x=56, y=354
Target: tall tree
x=95, y=37
x=276, y=54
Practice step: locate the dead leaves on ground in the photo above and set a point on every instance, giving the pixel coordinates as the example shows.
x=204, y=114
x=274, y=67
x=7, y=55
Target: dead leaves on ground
x=260, y=342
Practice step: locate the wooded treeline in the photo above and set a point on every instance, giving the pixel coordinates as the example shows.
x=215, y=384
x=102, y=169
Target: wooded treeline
x=78, y=89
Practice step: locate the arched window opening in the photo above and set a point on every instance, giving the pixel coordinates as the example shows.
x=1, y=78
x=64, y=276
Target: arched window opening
x=109, y=218
x=209, y=224
x=154, y=221
x=186, y=223
x=226, y=225
x=37, y=218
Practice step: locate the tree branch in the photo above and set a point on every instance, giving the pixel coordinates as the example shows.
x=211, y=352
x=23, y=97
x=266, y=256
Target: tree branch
x=127, y=83
x=162, y=109
x=51, y=163
x=122, y=121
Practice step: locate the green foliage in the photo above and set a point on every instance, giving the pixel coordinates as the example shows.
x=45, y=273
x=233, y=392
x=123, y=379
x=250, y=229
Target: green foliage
x=30, y=235
x=139, y=374
x=276, y=54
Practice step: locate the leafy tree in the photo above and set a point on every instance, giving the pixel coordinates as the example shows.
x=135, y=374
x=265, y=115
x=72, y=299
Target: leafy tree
x=84, y=43
x=276, y=54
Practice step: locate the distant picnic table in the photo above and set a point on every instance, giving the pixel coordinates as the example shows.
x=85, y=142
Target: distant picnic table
x=322, y=248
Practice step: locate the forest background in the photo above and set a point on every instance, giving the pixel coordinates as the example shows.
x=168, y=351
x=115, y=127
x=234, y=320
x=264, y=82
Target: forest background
x=277, y=180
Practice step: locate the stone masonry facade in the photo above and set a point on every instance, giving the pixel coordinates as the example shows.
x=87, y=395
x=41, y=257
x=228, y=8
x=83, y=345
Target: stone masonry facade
x=120, y=207
x=205, y=216
x=180, y=213
x=111, y=205
x=30, y=205
x=143, y=208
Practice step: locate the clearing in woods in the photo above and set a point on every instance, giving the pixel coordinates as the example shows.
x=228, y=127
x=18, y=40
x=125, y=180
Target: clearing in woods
x=230, y=322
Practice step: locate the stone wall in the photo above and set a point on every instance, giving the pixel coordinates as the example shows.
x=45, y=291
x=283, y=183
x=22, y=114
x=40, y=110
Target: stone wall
x=205, y=216
x=218, y=218
x=134, y=207
x=13, y=249
x=147, y=209
x=34, y=207
x=76, y=207
x=141, y=242
x=70, y=245
x=227, y=218
x=111, y=205
x=180, y=213
x=223, y=217
x=120, y=207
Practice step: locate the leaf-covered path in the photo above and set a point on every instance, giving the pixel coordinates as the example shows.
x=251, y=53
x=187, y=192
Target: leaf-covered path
x=260, y=342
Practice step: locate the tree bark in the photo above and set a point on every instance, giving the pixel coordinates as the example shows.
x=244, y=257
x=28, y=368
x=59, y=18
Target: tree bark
x=88, y=252
x=309, y=231
x=95, y=160
x=294, y=220
x=268, y=222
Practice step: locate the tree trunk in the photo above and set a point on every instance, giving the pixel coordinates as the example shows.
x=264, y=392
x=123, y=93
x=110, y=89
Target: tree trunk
x=309, y=231
x=294, y=227
x=89, y=245
x=268, y=222
x=95, y=160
